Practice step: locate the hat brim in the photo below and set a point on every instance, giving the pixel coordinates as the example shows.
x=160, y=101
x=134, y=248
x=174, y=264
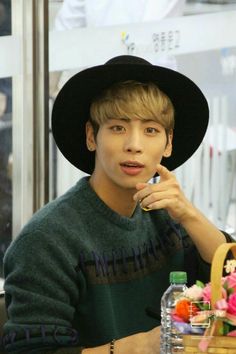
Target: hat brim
x=71, y=110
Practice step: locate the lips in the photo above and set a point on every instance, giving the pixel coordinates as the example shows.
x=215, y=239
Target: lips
x=132, y=164
x=131, y=168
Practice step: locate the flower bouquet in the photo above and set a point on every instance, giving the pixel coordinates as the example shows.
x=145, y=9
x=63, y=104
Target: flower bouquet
x=206, y=313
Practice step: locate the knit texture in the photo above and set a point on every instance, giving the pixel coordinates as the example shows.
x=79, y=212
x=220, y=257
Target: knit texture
x=79, y=274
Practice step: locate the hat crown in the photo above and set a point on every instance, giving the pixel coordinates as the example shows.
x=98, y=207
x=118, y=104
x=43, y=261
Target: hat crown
x=127, y=59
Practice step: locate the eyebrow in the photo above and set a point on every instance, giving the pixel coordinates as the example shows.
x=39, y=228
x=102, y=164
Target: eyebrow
x=127, y=120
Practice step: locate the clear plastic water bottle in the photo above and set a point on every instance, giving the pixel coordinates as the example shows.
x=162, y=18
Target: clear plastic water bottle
x=171, y=339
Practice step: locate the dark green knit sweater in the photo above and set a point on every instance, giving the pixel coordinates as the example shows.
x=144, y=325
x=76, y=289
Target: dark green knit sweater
x=80, y=275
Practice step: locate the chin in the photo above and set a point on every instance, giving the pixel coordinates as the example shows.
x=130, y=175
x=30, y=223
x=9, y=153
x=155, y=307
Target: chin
x=124, y=184
x=131, y=185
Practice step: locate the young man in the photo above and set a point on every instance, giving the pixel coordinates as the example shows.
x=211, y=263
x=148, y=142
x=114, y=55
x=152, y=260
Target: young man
x=92, y=265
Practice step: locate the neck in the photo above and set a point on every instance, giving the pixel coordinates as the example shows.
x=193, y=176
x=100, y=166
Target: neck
x=115, y=197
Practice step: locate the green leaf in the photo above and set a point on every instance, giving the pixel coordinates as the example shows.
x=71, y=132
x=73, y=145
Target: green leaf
x=200, y=284
x=225, y=329
x=221, y=331
x=225, y=285
x=203, y=306
x=230, y=291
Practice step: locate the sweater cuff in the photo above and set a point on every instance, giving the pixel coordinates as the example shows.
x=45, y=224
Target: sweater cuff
x=66, y=350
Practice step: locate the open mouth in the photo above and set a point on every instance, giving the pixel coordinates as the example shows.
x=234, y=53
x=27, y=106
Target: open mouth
x=132, y=164
x=131, y=167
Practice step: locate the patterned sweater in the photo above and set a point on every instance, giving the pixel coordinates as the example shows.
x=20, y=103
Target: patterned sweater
x=79, y=274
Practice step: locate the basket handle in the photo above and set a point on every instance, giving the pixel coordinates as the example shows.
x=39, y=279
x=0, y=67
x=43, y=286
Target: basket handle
x=217, y=270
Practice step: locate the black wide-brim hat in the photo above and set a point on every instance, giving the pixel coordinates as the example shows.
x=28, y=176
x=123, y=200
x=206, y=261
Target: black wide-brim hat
x=71, y=108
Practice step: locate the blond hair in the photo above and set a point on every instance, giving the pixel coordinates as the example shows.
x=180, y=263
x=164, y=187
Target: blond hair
x=132, y=99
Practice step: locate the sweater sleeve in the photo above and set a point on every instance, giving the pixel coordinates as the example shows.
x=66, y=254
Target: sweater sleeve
x=196, y=267
x=40, y=297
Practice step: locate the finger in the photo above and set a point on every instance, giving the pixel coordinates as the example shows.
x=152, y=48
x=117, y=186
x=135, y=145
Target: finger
x=140, y=186
x=167, y=204
x=157, y=196
x=146, y=189
x=163, y=172
x=143, y=191
x=156, y=200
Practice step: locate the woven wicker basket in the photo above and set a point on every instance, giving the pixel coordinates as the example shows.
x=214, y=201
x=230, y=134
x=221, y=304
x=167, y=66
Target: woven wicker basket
x=217, y=344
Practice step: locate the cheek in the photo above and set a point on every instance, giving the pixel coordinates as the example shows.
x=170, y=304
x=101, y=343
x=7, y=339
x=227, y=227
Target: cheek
x=108, y=145
x=155, y=157
x=157, y=151
x=105, y=152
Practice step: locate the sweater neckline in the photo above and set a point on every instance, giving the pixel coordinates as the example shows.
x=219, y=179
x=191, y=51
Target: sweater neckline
x=93, y=201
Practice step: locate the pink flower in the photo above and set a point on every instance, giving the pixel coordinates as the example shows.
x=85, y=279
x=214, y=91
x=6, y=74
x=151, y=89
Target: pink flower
x=221, y=304
x=206, y=294
x=194, y=292
x=231, y=280
x=232, y=304
x=177, y=318
x=232, y=333
x=231, y=319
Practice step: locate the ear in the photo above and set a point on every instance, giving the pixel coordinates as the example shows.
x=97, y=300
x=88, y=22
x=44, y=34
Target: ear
x=90, y=139
x=168, y=148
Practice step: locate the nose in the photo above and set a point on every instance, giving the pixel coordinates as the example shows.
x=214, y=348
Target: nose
x=133, y=143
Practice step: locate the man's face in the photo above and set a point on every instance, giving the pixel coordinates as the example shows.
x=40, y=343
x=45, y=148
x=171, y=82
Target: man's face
x=128, y=150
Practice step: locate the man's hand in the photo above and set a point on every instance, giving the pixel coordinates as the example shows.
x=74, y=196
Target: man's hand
x=166, y=194
x=139, y=343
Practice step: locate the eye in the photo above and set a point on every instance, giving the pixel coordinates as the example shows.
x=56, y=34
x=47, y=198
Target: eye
x=151, y=130
x=117, y=128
